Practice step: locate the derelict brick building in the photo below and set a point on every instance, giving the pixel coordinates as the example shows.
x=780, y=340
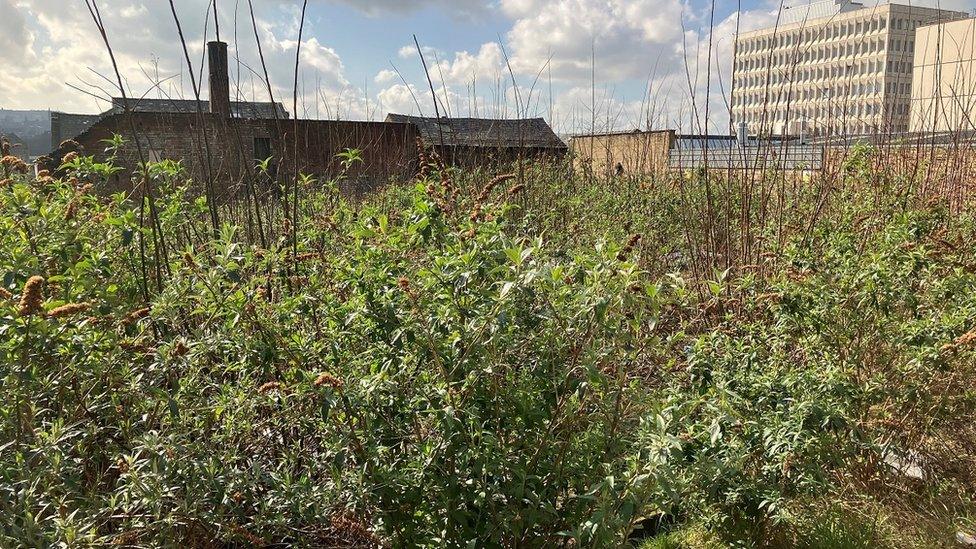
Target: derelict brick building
x=222, y=141
x=484, y=142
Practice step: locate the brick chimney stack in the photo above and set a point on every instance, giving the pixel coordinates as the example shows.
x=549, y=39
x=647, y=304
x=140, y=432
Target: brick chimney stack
x=219, y=80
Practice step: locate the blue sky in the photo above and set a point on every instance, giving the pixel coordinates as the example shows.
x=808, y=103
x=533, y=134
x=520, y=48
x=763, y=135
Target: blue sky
x=651, y=56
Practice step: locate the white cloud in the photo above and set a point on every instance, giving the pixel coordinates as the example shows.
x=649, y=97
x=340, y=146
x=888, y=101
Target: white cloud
x=58, y=46
x=406, y=52
x=457, y=8
x=385, y=76
x=625, y=36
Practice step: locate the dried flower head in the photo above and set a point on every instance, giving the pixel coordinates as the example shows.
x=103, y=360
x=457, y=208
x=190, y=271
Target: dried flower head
x=71, y=210
x=269, y=386
x=328, y=380
x=5, y=294
x=70, y=309
x=966, y=339
x=404, y=285
x=6, y=183
x=180, y=348
x=69, y=145
x=8, y=160
x=486, y=192
x=628, y=247
x=69, y=158
x=350, y=531
x=136, y=347
x=4, y=147
x=135, y=316
x=32, y=298
x=516, y=189
x=43, y=173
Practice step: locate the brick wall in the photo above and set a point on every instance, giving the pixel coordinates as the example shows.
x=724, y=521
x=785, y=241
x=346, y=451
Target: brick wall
x=388, y=149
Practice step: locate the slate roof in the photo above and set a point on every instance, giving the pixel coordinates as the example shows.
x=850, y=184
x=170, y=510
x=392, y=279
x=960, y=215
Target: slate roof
x=484, y=132
x=238, y=109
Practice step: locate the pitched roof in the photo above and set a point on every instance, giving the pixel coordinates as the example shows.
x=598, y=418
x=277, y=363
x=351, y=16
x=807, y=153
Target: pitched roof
x=238, y=109
x=484, y=132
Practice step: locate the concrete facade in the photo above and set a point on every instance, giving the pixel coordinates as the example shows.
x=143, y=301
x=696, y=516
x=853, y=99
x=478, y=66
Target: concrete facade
x=843, y=68
x=944, y=80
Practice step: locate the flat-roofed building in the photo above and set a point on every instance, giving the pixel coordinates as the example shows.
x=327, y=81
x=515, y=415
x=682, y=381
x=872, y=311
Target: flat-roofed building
x=830, y=68
x=944, y=80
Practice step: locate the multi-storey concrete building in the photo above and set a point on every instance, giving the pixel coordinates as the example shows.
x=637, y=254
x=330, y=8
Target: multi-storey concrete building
x=944, y=82
x=830, y=68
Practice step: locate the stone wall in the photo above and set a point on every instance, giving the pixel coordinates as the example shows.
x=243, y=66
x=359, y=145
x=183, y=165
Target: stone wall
x=630, y=154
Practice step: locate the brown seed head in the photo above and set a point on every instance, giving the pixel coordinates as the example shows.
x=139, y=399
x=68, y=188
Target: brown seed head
x=6, y=183
x=329, y=380
x=43, y=173
x=516, y=189
x=32, y=298
x=70, y=309
x=69, y=158
x=8, y=160
x=5, y=294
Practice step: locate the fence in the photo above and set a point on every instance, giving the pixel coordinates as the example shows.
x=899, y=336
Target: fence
x=779, y=156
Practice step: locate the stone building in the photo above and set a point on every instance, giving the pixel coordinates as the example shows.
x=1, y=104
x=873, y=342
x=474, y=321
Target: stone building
x=831, y=67
x=484, y=142
x=225, y=141
x=944, y=81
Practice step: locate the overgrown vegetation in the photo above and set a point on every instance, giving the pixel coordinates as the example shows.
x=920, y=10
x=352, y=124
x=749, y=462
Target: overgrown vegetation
x=475, y=362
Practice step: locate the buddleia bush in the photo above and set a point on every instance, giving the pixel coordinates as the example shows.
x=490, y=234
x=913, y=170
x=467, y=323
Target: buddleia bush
x=428, y=370
x=424, y=380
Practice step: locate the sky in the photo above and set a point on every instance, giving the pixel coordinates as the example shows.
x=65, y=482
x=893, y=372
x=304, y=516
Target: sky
x=584, y=65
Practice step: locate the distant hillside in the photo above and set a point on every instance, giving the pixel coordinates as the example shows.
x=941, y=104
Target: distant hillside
x=32, y=127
